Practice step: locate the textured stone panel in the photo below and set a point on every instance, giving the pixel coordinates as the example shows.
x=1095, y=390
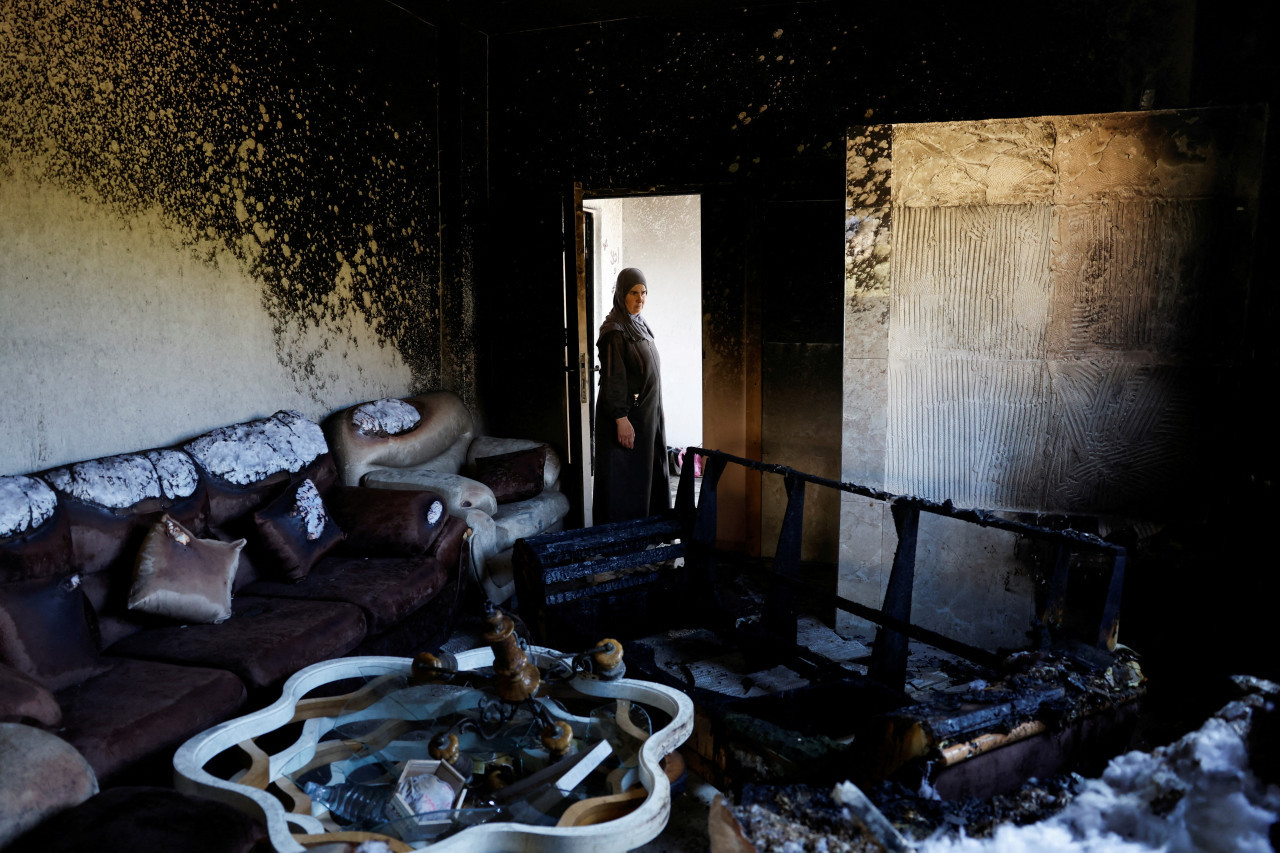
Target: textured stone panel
x=1118, y=435
x=967, y=430
x=971, y=585
x=866, y=401
x=1134, y=276
x=865, y=524
x=866, y=325
x=973, y=280
x=1004, y=161
x=1123, y=156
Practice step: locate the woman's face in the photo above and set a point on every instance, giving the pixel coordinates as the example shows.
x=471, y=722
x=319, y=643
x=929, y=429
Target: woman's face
x=635, y=298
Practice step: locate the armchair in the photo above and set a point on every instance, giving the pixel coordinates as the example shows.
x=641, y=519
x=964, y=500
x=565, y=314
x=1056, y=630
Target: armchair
x=503, y=488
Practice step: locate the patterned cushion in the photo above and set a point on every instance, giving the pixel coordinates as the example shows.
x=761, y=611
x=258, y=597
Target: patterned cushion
x=296, y=530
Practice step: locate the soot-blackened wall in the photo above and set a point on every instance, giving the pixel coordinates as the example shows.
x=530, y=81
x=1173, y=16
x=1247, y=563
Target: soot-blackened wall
x=212, y=211
x=750, y=108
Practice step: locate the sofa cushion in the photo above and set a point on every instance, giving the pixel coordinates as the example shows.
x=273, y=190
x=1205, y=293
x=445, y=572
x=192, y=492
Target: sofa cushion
x=296, y=530
x=460, y=493
x=44, y=632
x=390, y=522
x=264, y=641
x=133, y=819
x=22, y=699
x=141, y=709
x=249, y=452
x=490, y=445
x=43, y=775
x=182, y=577
x=386, y=588
x=124, y=481
x=514, y=476
x=35, y=538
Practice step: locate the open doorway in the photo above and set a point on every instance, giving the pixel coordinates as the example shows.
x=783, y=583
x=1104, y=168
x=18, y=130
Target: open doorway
x=661, y=235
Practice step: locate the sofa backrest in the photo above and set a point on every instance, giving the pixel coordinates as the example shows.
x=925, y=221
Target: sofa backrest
x=89, y=519
x=35, y=536
x=245, y=464
x=385, y=434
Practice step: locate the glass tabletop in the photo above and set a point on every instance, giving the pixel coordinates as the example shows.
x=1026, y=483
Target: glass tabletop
x=420, y=760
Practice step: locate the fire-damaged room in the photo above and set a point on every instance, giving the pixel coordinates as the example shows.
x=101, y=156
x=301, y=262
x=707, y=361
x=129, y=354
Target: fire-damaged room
x=329, y=520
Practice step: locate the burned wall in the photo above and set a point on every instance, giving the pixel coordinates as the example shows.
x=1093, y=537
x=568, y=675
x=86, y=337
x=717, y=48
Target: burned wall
x=1046, y=316
x=748, y=105
x=209, y=212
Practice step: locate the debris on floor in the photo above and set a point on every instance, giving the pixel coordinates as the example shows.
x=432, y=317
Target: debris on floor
x=1197, y=793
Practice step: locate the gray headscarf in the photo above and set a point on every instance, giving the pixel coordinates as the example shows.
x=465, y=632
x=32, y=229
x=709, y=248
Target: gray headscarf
x=619, y=319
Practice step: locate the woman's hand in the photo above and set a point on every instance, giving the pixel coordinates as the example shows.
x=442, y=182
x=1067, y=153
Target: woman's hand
x=626, y=433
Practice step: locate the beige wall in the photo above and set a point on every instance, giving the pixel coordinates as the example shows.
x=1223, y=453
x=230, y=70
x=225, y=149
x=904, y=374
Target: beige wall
x=1038, y=312
x=210, y=214
x=116, y=338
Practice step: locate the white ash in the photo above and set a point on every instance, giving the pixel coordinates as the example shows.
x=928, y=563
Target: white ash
x=1195, y=794
x=248, y=452
x=177, y=473
x=117, y=482
x=309, y=506
x=434, y=512
x=25, y=504
x=385, y=417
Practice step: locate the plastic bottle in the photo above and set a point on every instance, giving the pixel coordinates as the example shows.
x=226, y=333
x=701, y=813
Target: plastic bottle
x=349, y=801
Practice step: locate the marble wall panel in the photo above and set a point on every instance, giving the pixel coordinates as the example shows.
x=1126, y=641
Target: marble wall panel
x=866, y=554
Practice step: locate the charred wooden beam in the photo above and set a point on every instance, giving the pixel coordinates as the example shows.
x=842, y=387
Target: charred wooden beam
x=889, y=657
x=780, y=616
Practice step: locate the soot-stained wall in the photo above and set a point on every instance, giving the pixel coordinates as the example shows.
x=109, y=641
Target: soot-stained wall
x=1043, y=315
x=749, y=106
x=212, y=211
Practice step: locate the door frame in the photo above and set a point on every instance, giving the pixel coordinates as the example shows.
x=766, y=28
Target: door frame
x=579, y=357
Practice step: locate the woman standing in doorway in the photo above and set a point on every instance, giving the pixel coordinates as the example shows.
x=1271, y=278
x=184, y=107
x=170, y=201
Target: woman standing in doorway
x=631, y=442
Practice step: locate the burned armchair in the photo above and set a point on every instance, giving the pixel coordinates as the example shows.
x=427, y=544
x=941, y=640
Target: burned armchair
x=504, y=489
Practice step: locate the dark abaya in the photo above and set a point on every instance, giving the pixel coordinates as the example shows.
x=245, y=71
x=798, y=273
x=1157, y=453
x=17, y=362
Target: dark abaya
x=629, y=483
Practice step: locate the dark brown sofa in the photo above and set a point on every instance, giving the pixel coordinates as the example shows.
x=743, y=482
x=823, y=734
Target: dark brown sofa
x=84, y=548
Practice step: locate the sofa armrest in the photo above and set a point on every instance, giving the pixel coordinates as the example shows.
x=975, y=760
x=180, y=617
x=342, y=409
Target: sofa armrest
x=388, y=522
x=461, y=494
x=22, y=698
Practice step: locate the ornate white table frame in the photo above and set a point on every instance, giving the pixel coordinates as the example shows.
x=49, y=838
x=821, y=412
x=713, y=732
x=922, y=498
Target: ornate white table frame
x=622, y=833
